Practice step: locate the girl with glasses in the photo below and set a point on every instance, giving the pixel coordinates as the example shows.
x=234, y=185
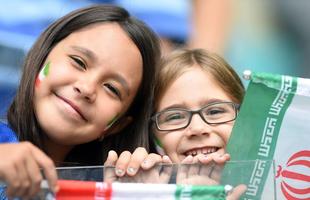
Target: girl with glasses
x=197, y=98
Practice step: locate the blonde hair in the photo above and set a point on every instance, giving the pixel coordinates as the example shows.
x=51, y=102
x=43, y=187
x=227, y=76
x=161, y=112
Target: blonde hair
x=174, y=65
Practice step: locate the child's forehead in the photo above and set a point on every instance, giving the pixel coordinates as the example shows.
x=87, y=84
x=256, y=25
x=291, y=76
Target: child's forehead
x=104, y=28
x=193, y=73
x=195, y=84
x=171, y=74
x=188, y=77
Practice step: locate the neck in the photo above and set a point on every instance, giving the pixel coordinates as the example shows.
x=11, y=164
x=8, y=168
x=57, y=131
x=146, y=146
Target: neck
x=57, y=152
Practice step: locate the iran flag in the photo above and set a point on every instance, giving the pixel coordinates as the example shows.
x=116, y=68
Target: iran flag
x=274, y=124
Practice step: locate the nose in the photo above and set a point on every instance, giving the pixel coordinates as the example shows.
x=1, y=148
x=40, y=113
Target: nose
x=86, y=89
x=197, y=127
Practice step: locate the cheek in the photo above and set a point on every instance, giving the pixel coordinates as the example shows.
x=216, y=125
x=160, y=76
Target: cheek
x=106, y=111
x=226, y=132
x=41, y=92
x=58, y=76
x=169, y=142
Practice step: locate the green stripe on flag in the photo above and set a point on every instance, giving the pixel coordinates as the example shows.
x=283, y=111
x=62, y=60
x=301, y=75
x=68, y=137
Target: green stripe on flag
x=256, y=130
x=200, y=192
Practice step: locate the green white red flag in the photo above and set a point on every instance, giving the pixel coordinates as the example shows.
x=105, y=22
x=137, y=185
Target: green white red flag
x=274, y=124
x=89, y=190
x=43, y=74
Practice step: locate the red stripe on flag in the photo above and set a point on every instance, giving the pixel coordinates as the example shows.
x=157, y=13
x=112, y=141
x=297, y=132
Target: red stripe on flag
x=304, y=153
x=69, y=190
x=297, y=176
x=108, y=191
x=287, y=195
x=296, y=190
x=300, y=162
x=103, y=191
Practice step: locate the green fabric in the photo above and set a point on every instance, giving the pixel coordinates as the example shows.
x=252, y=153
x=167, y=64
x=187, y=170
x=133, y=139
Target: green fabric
x=197, y=192
x=257, y=127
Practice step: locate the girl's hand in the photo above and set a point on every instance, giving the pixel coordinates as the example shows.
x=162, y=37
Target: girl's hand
x=202, y=169
x=206, y=170
x=137, y=167
x=237, y=192
x=20, y=166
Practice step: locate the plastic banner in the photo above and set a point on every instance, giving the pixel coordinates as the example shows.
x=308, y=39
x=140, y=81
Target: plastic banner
x=274, y=123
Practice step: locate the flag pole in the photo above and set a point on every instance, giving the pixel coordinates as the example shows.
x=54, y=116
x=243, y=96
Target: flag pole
x=247, y=74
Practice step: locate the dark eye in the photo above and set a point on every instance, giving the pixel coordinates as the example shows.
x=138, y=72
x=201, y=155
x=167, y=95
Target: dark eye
x=79, y=62
x=174, y=117
x=214, y=111
x=113, y=89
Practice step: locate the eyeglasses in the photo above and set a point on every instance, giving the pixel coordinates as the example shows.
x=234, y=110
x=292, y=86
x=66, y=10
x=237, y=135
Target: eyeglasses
x=214, y=113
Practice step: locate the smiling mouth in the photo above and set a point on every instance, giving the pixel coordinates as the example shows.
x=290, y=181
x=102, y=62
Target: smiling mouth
x=204, y=150
x=76, y=108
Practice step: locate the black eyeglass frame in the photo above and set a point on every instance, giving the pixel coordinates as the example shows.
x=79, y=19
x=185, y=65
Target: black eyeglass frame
x=193, y=112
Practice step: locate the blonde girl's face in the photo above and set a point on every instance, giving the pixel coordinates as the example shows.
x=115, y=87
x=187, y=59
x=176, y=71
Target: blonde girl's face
x=193, y=90
x=89, y=79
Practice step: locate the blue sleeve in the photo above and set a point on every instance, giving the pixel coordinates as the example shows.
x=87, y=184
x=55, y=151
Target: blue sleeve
x=7, y=135
x=3, y=193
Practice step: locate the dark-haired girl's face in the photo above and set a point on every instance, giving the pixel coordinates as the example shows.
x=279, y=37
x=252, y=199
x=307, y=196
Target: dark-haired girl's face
x=87, y=82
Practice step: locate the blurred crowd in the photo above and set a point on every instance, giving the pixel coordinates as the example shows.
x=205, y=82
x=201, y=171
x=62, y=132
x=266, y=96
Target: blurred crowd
x=261, y=35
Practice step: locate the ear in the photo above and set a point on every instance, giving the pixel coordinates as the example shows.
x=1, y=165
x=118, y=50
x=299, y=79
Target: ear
x=118, y=126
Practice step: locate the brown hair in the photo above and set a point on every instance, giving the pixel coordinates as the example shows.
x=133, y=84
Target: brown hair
x=179, y=61
x=21, y=115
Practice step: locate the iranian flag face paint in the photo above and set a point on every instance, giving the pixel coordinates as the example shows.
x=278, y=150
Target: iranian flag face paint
x=43, y=73
x=159, y=146
x=111, y=122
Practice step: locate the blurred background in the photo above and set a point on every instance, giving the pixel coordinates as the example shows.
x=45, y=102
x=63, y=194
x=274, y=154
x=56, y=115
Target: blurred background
x=260, y=35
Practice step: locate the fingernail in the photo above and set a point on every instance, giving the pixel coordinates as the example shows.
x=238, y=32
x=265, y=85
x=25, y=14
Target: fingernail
x=188, y=159
x=145, y=163
x=119, y=172
x=131, y=170
x=166, y=158
x=110, y=153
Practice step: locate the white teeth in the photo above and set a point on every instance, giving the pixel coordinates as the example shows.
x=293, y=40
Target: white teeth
x=198, y=151
x=206, y=150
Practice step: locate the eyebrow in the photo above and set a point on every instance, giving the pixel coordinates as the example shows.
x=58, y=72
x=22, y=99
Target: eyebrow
x=203, y=103
x=213, y=100
x=88, y=53
x=173, y=106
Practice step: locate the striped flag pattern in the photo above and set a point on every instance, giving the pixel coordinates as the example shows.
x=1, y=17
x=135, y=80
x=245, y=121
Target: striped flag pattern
x=274, y=124
x=90, y=190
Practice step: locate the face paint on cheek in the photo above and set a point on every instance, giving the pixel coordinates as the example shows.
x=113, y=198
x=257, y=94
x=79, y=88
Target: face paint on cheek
x=43, y=73
x=157, y=142
x=159, y=146
x=111, y=122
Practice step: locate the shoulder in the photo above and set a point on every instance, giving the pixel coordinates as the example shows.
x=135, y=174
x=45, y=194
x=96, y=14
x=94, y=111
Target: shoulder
x=7, y=134
x=3, y=193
